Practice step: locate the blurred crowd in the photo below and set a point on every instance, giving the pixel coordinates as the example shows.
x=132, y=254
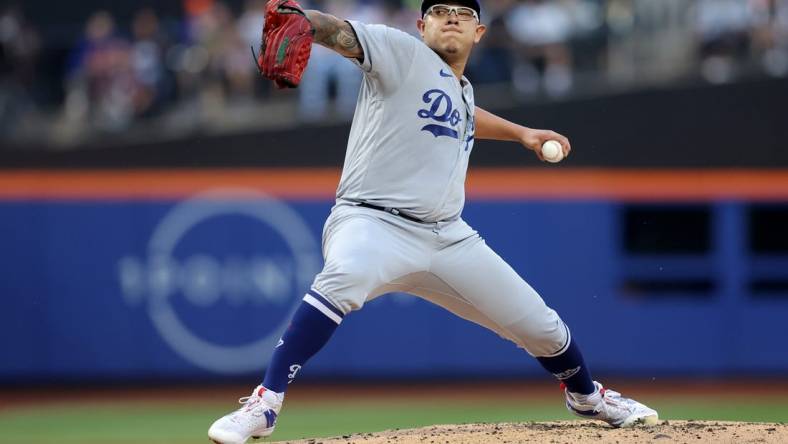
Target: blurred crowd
x=196, y=71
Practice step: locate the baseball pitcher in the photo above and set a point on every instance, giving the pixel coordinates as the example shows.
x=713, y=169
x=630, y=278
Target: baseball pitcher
x=397, y=224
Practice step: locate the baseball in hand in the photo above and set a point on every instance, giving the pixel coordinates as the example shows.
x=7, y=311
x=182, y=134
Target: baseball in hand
x=552, y=151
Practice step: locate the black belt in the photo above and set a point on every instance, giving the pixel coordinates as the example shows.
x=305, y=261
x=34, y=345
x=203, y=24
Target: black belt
x=393, y=211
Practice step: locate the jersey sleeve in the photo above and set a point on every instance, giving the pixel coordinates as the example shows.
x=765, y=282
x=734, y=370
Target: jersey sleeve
x=388, y=54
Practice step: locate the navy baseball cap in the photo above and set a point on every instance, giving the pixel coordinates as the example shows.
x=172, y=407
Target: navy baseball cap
x=473, y=4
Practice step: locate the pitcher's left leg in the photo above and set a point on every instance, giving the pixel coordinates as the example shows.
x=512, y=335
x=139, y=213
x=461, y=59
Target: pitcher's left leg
x=485, y=281
x=488, y=283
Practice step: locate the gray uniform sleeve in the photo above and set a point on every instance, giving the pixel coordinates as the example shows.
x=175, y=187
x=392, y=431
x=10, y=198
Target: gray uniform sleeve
x=388, y=54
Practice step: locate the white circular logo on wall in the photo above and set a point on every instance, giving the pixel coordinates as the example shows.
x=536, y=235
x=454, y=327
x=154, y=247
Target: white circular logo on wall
x=264, y=279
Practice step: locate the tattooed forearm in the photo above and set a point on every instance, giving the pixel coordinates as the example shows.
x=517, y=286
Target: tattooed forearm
x=335, y=34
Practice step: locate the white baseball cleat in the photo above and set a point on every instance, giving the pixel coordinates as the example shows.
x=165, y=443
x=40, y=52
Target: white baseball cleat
x=255, y=419
x=609, y=406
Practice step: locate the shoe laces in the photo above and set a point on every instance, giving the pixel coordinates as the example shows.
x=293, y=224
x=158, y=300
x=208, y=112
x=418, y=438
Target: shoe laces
x=252, y=404
x=612, y=403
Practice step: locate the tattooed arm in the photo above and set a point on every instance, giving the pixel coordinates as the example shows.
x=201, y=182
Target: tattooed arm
x=335, y=34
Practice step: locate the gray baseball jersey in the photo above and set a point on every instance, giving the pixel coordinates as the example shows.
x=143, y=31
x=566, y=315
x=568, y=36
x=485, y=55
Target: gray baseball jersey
x=413, y=129
x=408, y=149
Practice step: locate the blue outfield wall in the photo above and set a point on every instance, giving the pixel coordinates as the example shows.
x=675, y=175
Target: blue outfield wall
x=203, y=288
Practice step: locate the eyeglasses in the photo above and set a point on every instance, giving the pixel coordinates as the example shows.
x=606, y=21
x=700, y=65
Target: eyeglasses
x=463, y=13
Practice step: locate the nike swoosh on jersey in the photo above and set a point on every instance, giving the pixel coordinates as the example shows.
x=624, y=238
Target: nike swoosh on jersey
x=443, y=74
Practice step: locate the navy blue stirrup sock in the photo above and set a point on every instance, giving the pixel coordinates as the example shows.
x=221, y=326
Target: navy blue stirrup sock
x=310, y=329
x=570, y=368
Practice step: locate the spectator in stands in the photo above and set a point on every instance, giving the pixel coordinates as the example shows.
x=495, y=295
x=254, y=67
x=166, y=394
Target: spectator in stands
x=147, y=59
x=770, y=35
x=235, y=61
x=19, y=49
x=250, y=26
x=101, y=81
x=542, y=30
x=723, y=32
x=492, y=61
x=206, y=62
x=190, y=60
x=780, y=31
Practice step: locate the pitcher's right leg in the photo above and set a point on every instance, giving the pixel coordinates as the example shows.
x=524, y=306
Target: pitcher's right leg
x=357, y=268
x=310, y=329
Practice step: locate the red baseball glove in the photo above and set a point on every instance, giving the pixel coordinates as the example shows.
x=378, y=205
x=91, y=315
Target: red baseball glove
x=286, y=44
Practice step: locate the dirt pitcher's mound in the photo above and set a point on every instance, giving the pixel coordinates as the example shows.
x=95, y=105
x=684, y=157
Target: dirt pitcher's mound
x=572, y=432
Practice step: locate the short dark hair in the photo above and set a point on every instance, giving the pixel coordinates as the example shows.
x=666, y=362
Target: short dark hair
x=473, y=4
